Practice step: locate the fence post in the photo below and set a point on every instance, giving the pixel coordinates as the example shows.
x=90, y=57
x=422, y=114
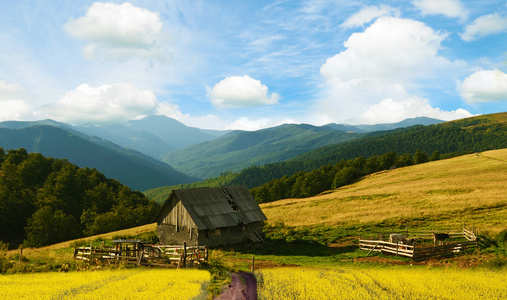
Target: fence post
x=20, y=253
x=184, y=254
x=253, y=264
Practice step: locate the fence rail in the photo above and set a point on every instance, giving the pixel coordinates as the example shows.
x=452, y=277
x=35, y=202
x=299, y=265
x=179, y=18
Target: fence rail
x=419, y=251
x=142, y=254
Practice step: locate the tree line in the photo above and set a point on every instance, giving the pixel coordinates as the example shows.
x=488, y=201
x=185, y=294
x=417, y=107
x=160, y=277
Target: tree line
x=45, y=201
x=307, y=184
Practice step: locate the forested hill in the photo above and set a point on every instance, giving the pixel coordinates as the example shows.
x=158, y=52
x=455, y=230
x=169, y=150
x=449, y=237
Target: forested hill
x=130, y=167
x=238, y=150
x=465, y=135
x=45, y=201
x=474, y=134
x=461, y=136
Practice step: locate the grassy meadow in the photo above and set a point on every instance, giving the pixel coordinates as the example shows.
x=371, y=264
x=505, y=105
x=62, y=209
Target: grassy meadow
x=438, y=195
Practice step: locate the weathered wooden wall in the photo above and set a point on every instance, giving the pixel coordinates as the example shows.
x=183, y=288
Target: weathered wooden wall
x=176, y=214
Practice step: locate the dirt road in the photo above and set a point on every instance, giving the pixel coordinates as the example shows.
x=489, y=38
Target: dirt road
x=243, y=287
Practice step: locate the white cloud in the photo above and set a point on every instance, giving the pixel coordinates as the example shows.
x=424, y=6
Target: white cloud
x=368, y=14
x=485, y=86
x=106, y=104
x=385, y=61
x=14, y=110
x=485, y=25
x=390, y=111
x=206, y=122
x=246, y=123
x=119, y=32
x=448, y=8
x=241, y=91
x=14, y=106
x=391, y=48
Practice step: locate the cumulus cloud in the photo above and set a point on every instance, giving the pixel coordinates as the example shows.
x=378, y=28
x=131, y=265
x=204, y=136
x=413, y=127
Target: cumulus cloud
x=14, y=106
x=106, y=104
x=390, y=111
x=119, y=32
x=448, y=8
x=484, y=26
x=384, y=62
x=391, y=48
x=485, y=86
x=368, y=14
x=241, y=91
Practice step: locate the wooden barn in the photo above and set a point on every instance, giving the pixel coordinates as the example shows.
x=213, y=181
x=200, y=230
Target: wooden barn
x=210, y=216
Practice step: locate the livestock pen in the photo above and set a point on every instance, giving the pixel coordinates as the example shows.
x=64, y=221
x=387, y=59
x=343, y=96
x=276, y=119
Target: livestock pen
x=417, y=244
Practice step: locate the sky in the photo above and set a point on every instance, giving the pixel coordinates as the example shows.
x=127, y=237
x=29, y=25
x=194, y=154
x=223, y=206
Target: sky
x=252, y=64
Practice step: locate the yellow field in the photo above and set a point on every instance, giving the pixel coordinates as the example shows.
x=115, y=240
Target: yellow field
x=109, y=284
x=381, y=283
x=443, y=193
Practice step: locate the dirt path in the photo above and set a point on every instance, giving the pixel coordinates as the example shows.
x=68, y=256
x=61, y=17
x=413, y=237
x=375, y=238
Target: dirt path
x=243, y=287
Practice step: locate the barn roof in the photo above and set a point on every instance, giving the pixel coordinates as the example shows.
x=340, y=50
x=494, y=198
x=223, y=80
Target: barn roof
x=218, y=207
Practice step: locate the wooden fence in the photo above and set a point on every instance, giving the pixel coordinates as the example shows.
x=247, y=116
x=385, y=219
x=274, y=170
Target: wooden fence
x=143, y=254
x=464, y=240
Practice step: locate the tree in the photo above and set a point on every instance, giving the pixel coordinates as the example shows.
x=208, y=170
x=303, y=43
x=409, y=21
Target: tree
x=420, y=157
x=345, y=176
x=435, y=156
x=372, y=165
x=388, y=160
x=49, y=226
x=277, y=190
x=404, y=160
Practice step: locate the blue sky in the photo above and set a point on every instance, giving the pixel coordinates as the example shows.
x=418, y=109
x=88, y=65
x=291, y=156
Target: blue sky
x=252, y=64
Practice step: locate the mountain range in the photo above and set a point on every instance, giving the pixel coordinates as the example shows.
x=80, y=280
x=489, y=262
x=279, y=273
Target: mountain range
x=131, y=152
x=241, y=149
x=152, y=135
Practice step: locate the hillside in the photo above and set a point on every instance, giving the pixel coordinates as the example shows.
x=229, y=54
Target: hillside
x=439, y=194
x=240, y=150
x=471, y=134
x=138, y=171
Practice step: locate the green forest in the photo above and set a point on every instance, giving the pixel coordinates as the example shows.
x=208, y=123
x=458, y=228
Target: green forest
x=45, y=201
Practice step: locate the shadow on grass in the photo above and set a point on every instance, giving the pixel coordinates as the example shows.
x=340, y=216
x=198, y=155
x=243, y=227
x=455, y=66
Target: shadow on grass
x=294, y=248
x=311, y=242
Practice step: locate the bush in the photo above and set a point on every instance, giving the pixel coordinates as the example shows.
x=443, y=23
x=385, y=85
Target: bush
x=4, y=262
x=501, y=241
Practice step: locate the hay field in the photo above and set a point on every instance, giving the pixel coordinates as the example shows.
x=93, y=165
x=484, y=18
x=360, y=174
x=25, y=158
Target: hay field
x=440, y=194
